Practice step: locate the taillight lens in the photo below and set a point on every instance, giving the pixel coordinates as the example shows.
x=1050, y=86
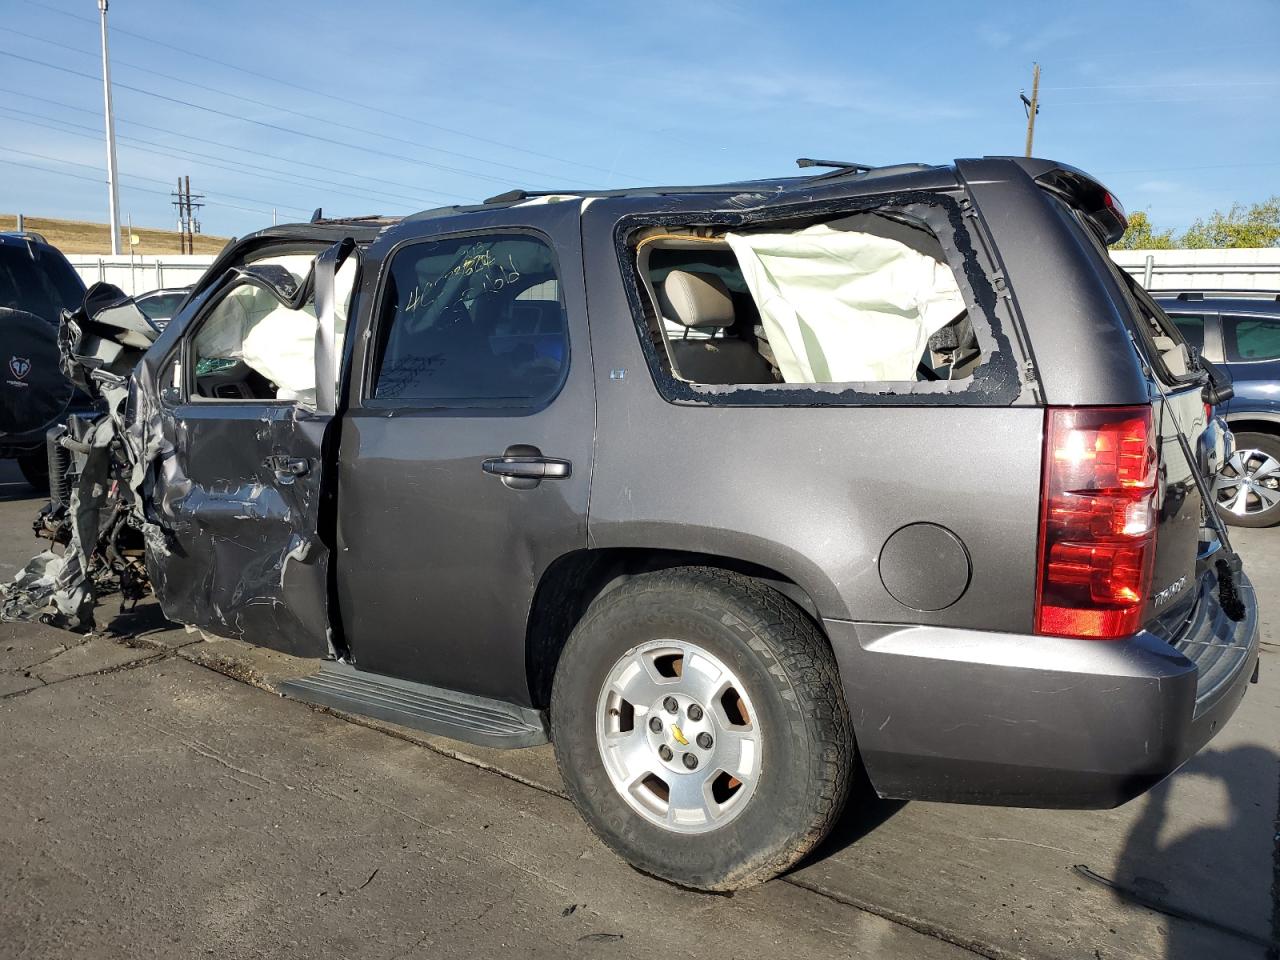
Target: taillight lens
x=1097, y=521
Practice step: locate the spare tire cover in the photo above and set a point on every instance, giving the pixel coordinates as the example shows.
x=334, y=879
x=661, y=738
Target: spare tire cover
x=33, y=392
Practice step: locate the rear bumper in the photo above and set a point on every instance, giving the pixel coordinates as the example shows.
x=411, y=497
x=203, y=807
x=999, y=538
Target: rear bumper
x=1019, y=720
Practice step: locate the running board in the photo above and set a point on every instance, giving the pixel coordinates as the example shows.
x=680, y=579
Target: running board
x=448, y=713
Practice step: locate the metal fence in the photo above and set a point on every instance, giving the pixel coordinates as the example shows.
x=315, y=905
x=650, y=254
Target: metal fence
x=139, y=274
x=1243, y=269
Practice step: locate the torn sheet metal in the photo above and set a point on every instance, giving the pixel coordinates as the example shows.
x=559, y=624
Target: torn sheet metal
x=222, y=500
x=232, y=545
x=236, y=490
x=96, y=352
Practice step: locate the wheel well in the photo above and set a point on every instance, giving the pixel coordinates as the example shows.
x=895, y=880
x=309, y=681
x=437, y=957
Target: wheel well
x=575, y=580
x=1245, y=425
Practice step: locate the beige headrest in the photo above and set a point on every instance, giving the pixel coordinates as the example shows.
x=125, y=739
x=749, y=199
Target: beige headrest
x=695, y=300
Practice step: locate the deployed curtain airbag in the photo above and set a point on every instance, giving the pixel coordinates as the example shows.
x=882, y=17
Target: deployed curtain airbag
x=840, y=306
x=252, y=324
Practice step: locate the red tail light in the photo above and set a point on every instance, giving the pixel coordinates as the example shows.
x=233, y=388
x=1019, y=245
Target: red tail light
x=1097, y=521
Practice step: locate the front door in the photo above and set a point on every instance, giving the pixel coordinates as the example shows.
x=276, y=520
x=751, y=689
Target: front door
x=238, y=500
x=465, y=458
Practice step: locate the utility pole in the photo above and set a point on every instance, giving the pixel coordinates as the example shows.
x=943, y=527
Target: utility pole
x=113, y=190
x=1032, y=107
x=187, y=204
x=180, y=203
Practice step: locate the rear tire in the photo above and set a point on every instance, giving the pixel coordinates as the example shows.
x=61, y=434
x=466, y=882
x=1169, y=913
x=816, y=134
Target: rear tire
x=35, y=470
x=1257, y=458
x=747, y=683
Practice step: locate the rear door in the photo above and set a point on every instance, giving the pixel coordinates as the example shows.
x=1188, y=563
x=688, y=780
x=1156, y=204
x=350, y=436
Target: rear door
x=1251, y=349
x=466, y=451
x=238, y=499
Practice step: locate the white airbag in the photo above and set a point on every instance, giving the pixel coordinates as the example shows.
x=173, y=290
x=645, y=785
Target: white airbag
x=252, y=325
x=839, y=306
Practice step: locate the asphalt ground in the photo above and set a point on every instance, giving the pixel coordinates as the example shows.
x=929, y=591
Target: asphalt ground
x=157, y=798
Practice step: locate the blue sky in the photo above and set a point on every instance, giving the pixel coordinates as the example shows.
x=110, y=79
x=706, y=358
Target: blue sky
x=395, y=106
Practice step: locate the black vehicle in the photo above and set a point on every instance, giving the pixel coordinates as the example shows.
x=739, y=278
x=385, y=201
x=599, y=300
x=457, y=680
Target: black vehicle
x=1240, y=332
x=736, y=493
x=159, y=306
x=36, y=285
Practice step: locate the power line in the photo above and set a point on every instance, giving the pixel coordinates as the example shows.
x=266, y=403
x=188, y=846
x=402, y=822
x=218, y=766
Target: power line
x=97, y=180
x=270, y=156
x=1215, y=166
x=229, y=166
x=116, y=61
x=1132, y=100
x=330, y=95
x=239, y=149
x=135, y=176
x=1162, y=86
x=354, y=191
x=172, y=156
x=77, y=163
x=263, y=123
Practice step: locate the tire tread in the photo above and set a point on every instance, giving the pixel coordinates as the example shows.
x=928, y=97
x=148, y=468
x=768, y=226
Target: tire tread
x=802, y=652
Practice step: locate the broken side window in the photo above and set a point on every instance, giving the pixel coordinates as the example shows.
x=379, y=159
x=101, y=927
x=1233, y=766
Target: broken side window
x=877, y=301
x=252, y=345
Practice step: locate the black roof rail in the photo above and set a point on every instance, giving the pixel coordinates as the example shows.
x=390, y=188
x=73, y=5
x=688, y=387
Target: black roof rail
x=1217, y=293
x=25, y=235
x=803, y=162
x=511, y=196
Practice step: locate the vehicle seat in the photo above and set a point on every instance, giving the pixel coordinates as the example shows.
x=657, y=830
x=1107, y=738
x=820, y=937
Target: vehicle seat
x=957, y=341
x=1174, y=355
x=699, y=301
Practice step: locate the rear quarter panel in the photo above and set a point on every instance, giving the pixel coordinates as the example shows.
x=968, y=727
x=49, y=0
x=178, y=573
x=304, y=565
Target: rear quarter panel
x=810, y=492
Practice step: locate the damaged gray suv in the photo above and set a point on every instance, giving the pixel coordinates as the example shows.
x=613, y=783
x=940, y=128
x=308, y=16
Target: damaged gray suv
x=738, y=494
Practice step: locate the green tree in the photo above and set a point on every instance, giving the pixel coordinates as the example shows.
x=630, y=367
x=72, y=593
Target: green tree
x=1141, y=235
x=1256, y=225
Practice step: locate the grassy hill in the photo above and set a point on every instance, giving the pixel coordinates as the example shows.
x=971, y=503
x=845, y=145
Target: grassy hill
x=79, y=236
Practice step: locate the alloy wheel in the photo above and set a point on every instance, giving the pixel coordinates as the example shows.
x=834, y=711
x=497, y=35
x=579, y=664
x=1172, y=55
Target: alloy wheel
x=678, y=736
x=1249, y=483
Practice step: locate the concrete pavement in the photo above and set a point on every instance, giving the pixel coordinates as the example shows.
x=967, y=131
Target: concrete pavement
x=154, y=803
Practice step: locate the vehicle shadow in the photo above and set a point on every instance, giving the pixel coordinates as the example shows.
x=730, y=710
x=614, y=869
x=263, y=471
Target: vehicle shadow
x=863, y=813
x=140, y=620
x=1151, y=874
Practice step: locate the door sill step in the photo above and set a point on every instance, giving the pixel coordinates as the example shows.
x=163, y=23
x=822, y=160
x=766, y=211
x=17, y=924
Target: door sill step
x=448, y=713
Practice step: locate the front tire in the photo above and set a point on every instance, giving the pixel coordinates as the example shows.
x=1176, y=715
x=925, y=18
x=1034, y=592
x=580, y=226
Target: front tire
x=700, y=726
x=1247, y=489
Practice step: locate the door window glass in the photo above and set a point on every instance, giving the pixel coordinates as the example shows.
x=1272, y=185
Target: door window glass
x=1192, y=328
x=1251, y=338
x=472, y=320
